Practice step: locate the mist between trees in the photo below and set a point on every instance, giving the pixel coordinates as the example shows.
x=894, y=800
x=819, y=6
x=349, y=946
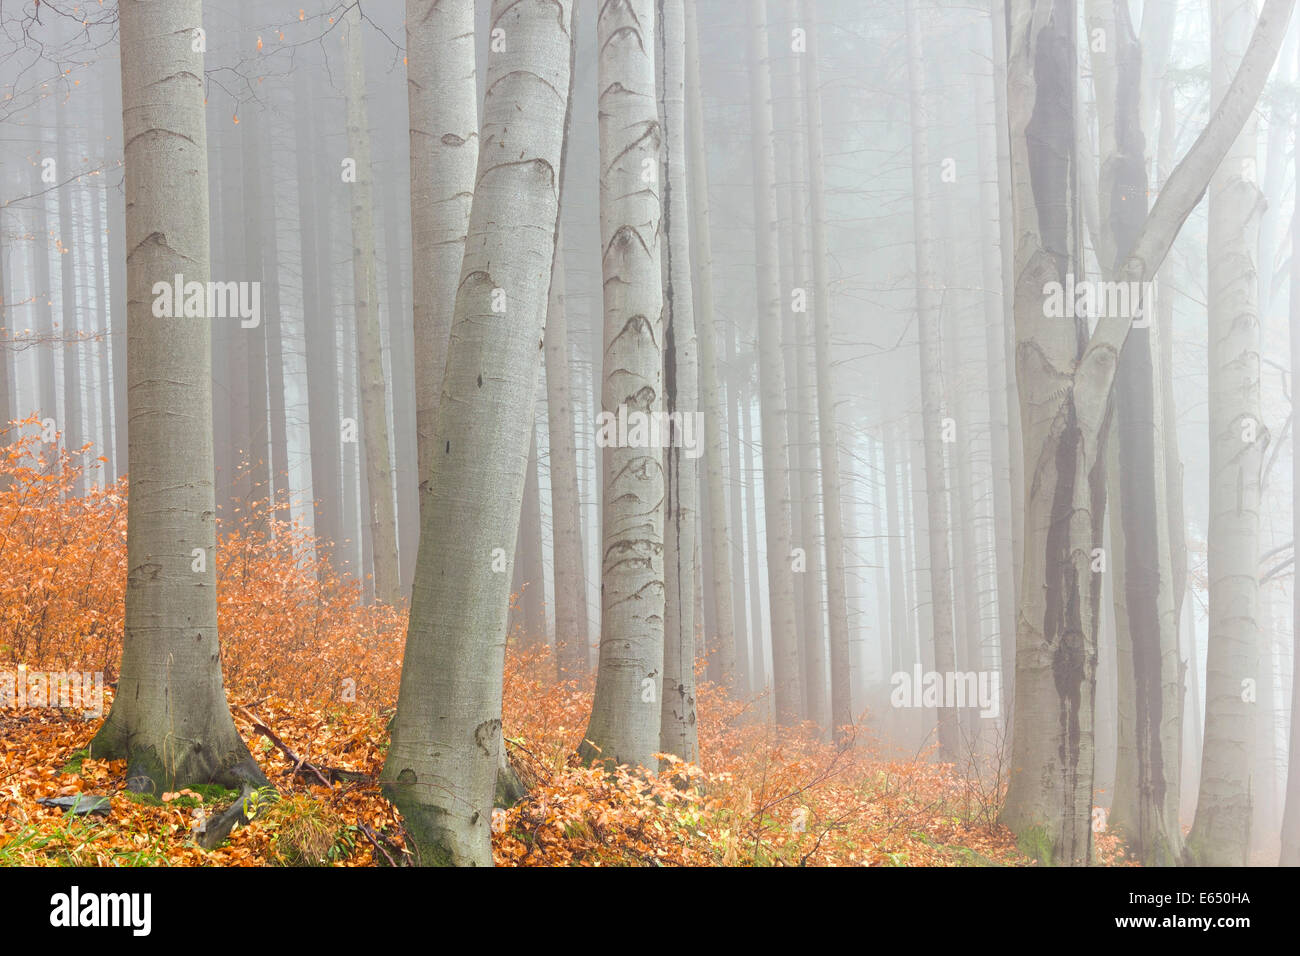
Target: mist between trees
x=911, y=368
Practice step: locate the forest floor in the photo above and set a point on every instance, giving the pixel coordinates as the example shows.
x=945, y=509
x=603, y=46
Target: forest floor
x=311, y=673
x=761, y=797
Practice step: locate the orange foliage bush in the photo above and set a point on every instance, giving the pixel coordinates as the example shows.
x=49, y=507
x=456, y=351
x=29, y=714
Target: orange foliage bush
x=303, y=655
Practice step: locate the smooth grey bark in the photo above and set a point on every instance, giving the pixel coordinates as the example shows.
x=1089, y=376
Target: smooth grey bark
x=772, y=380
x=442, y=102
x=441, y=770
x=677, y=723
x=1220, y=834
x=625, y=714
x=169, y=720
x=381, y=518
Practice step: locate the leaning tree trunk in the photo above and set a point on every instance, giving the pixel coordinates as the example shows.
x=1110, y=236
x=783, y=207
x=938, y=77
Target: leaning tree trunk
x=720, y=569
x=827, y=437
x=170, y=720
x=442, y=102
x=625, y=714
x=441, y=769
x=1220, y=834
x=932, y=397
x=771, y=375
x=677, y=732
x=372, y=383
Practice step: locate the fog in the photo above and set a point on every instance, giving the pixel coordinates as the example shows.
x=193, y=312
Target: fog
x=971, y=329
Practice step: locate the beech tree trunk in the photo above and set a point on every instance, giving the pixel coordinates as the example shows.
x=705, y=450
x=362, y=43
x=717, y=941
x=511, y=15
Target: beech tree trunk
x=441, y=769
x=625, y=714
x=677, y=733
x=442, y=100
x=169, y=720
x=1220, y=834
x=372, y=383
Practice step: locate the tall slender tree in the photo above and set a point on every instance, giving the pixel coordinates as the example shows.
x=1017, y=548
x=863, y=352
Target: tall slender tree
x=169, y=720
x=1145, y=805
x=841, y=710
x=933, y=408
x=1220, y=834
x=441, y=769
x=381, y=517
x=442, y=100
x=1290, y=850
x=677, y=732
x=722, y=526
x=625, y=714
x=566, y=524
x=772, y=378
